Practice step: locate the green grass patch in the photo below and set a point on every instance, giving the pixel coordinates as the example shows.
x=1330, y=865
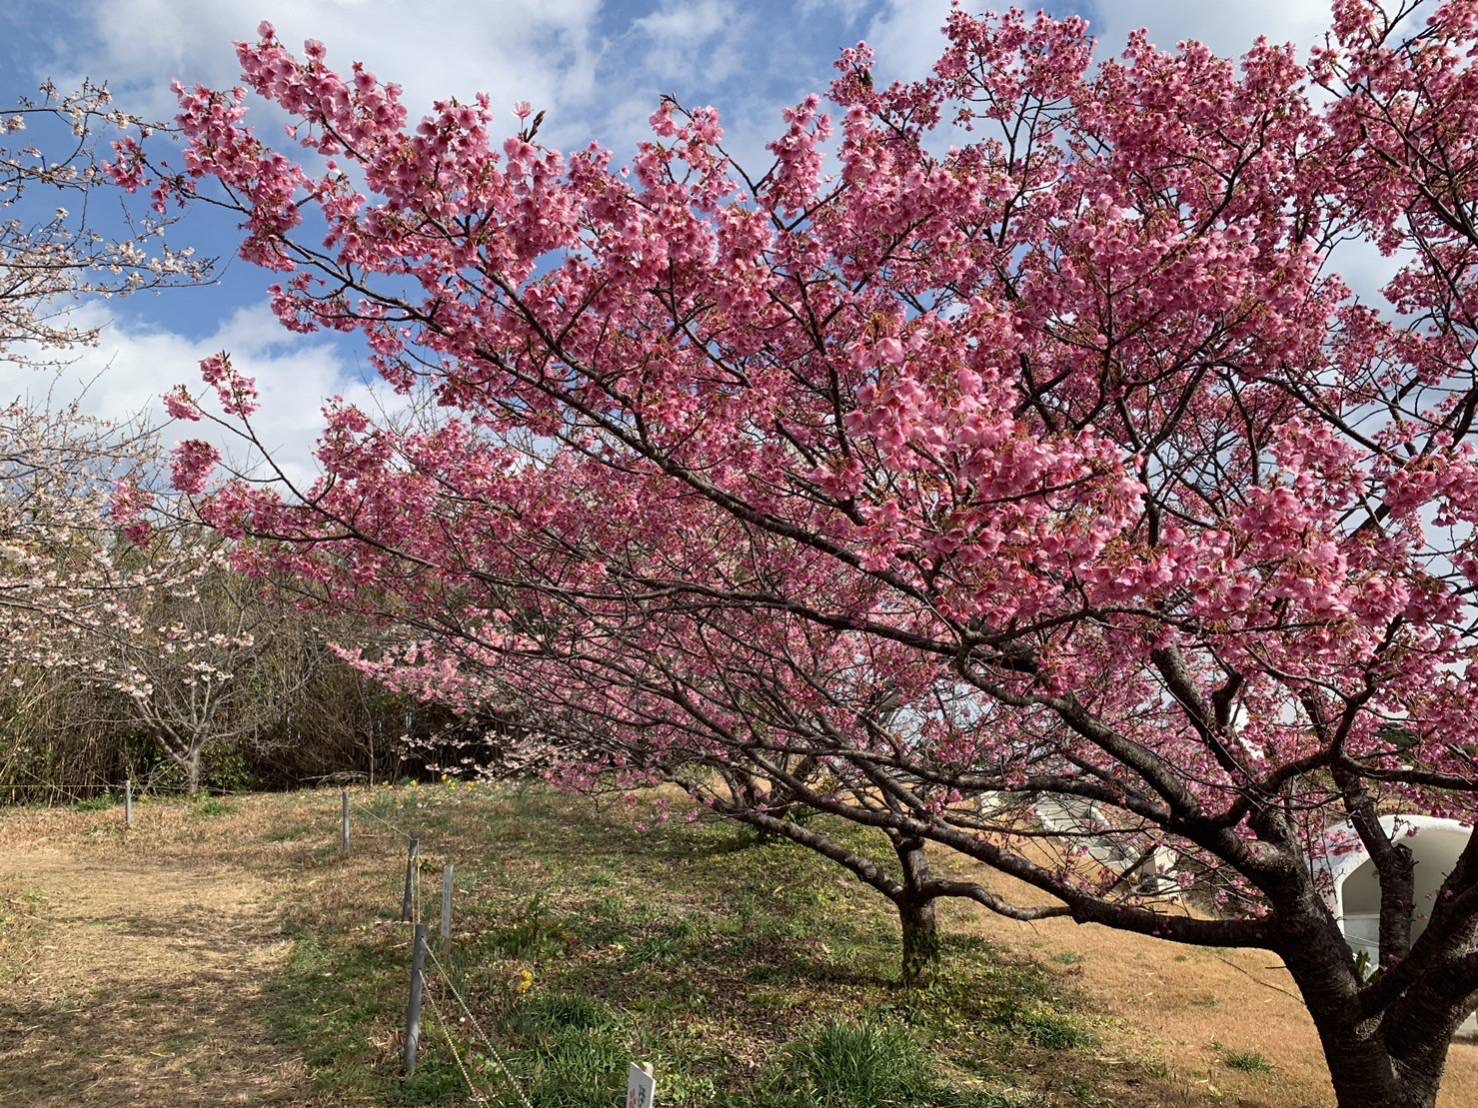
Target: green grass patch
x=1042, y=1024
x=1243, y=1061
x=748, y=973
x=852, y=1064
x=535, y=932
x=98, y=803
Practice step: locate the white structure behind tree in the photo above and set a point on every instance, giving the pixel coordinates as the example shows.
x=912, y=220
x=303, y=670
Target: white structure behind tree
x=1353, y=886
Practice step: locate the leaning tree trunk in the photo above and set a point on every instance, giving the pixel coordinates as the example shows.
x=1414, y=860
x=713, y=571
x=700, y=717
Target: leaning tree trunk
x=916, y=913
x=1393, y=1060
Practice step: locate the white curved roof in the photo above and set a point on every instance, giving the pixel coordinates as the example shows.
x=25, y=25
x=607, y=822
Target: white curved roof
x=1340, y=852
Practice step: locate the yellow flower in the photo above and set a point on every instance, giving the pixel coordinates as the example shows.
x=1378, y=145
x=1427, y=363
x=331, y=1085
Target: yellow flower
x=525, y=981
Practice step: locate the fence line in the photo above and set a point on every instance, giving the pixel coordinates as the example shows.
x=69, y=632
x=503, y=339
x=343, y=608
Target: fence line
x=439, y=970
x=412, y=1043
x=97, y=785
x=477, y=1027
x=446, y=1031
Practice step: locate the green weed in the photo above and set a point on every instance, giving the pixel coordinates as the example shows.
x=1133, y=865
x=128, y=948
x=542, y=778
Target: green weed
x=1244, y=1061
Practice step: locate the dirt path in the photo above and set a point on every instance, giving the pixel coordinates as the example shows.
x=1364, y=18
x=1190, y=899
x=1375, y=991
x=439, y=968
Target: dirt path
x=127, y=982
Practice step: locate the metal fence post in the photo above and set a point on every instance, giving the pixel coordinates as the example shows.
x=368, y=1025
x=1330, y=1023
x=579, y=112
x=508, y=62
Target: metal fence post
x=446, y=910
x=344, y=822
x=413, y=1006
x=410, y=877
x=128, y=802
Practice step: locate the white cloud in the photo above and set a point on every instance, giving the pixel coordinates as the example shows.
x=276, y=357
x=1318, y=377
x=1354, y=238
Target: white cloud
x=132, y=366
x=687, y=39
x=906, y=36
x=535, y=50
x=687, y=24
x=848, y=10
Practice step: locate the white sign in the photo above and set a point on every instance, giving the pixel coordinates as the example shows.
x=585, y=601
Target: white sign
x=641, y=1087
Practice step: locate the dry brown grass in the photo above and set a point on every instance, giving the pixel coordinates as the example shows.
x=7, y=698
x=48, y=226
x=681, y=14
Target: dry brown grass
x=1193, y=1007
x=140, y=979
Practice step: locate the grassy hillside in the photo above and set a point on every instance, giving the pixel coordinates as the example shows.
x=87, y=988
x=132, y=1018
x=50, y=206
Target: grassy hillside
x=746, y=973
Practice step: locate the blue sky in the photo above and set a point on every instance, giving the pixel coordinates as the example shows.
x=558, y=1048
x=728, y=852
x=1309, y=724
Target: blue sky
x=596, y=66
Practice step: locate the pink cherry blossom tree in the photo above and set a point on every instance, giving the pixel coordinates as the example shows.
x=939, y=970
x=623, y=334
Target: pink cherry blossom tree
x=751, y=735
x=1024, y=403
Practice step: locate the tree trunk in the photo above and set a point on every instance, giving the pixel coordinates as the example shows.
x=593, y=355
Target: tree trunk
x=1391, y=1062
x=1416, y=1035
x=920, y=941
x=1366, y=1076
x=191, y=766
x=916, y=914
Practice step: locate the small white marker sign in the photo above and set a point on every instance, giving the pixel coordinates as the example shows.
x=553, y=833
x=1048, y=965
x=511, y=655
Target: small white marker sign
x=641, y=1087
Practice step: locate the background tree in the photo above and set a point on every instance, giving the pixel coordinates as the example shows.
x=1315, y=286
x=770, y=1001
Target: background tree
x=130, y=640
x=151, y=614
x=94, y=674
x=51, y=255
x=205, y=660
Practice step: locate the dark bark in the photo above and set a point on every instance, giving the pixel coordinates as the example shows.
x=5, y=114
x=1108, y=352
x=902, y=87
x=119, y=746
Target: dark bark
x=1394, y=866
x=1398, y=895
x=916, y=913
x=920, y=941
x=1417, y=1028
x=1394, y=1059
